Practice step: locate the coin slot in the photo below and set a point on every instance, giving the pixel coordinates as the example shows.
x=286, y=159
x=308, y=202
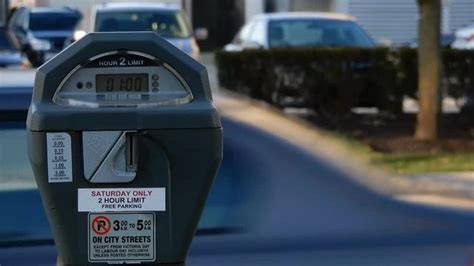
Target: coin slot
x=131, y=157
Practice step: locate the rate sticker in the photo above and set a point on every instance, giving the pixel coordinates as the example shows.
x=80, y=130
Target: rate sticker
x=59, y=157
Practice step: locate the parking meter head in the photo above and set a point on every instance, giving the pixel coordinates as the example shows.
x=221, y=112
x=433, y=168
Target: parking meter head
x=94, y=70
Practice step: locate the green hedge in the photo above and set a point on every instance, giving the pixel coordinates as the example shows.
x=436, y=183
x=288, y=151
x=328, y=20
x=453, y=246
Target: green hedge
x=334, y=80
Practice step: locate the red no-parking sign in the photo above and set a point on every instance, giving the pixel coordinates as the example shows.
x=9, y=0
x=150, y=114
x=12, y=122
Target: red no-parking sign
x=101, y=225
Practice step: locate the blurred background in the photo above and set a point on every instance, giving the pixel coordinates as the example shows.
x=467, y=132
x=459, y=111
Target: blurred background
x=390, y=21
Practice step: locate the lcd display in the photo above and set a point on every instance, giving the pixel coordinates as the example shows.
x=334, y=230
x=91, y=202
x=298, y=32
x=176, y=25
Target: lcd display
x=122, y=83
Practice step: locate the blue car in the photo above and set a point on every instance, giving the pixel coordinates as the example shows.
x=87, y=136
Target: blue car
x=42, y=31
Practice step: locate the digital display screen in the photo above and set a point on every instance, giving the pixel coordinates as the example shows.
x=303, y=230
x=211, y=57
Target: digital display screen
x=125, y=83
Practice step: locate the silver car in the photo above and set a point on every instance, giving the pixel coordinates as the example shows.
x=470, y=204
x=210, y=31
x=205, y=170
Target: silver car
x=169, y=21
x=300, y=29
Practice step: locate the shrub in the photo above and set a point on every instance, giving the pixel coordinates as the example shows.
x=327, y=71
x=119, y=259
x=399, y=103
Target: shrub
x=333, y=80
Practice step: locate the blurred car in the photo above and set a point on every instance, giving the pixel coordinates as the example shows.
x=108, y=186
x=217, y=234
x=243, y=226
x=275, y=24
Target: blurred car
x=446, y=41
x=43, y=32
x=169, y=21
x=300, y=30
x=10, y=54
x=289, y=30
x=464, y=37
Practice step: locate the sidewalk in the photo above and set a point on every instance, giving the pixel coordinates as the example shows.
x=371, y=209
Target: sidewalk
x=463, y=181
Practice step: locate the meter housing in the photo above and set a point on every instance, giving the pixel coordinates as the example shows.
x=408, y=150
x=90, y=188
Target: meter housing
x=126, y=111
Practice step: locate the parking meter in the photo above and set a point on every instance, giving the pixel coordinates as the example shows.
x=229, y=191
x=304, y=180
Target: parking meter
x=124, y=141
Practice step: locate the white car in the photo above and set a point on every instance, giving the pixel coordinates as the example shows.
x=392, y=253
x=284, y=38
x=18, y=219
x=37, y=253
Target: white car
x=464, y=37
x=169, y=21
x=300, y=29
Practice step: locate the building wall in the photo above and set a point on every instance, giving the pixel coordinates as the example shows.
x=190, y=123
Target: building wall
x=302, y=5
x=461, y=13
x=252, y=8
x=4, y=11
x=340, y=6
x=397, y=20
x=394, y=20
x=17, y=3
x=305, y=5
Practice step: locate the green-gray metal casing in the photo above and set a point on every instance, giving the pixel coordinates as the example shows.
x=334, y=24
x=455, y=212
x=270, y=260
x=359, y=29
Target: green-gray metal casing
x=179, y=146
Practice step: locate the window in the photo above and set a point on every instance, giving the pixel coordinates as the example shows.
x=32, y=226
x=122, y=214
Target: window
x=317, y=33
x=258, y=33
x=17, y=19
x=53, y=21
x=244, y=34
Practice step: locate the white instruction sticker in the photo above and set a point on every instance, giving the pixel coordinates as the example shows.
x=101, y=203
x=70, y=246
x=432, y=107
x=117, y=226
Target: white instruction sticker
x=121, y=237
x=121, y=199
x=59, y=157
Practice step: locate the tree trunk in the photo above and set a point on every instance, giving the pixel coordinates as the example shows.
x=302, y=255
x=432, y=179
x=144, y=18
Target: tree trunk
x=429, y=69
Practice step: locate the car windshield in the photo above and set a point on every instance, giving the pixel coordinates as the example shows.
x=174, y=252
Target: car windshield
x=316, y=33
x=53, y=21
x=168, y=24
x=5, y=42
